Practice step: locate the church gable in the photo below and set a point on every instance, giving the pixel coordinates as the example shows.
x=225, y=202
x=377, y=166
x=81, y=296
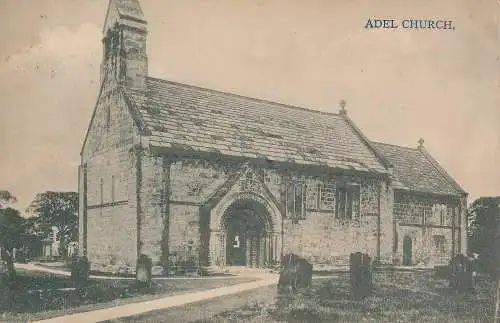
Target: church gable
x=112, y=125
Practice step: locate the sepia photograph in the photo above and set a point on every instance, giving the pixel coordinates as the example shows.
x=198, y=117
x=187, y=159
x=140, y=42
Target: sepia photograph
x=250, y=161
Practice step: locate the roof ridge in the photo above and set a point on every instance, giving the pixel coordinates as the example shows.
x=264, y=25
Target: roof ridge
x=284, y=105
x=441, y=170
x=381, y=157
x=394, y=145
x=433, y=165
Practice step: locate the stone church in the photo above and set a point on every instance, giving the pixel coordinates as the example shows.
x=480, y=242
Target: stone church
x=169, y=168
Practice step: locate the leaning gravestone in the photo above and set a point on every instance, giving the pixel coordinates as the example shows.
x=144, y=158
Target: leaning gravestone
x=144, y=270
x=361, y=274
x=295, y=274
x=80, y=270
x=462, y=273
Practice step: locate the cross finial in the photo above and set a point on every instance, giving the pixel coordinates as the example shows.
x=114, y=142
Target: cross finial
x=421, y=143
x=342, y=106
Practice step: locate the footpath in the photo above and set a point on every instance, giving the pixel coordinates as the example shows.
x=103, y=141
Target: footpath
x=159, y=304
x=265, y=279
x=176, y=301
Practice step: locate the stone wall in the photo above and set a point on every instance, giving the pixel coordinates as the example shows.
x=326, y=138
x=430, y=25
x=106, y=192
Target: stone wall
x=184, y=233
x=386, y=224
x=324, y=239
x=195, y=180
x=428, y=221
x=110, y=214
x=320, y=236
x=153, y=189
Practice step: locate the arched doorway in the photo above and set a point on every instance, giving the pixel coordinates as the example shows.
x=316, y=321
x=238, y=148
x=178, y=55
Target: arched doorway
x=407, y=251
x=246, y=225
x=245, y=230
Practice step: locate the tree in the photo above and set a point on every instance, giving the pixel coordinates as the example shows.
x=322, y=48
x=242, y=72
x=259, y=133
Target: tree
x=484, y=239
x=484, y=216
x=59, y=209
x=6, y=198
x=13, y=229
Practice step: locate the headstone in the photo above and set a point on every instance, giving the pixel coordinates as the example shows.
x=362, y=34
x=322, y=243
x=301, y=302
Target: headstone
x=172, y=264
x=144, y=270
x=80, y=270
x=157, y=271
x=462, y=273
x=361, y=274
x=296, y=274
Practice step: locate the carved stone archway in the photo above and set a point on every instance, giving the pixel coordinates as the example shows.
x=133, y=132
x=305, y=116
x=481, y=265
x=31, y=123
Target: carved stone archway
x=262, y=246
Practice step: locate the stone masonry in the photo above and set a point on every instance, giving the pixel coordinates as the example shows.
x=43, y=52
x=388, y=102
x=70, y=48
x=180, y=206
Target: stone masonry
x=168, y=168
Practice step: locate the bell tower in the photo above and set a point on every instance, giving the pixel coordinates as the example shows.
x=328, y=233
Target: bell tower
x=124, y=44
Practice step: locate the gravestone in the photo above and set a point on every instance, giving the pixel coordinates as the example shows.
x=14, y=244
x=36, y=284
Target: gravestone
x=462, y=273
x=80, y=270
x=172, y=264
x=296, y=274
x=144, y=270
x=360, y=274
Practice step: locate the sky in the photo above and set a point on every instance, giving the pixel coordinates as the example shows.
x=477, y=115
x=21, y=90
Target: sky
x=399, y=84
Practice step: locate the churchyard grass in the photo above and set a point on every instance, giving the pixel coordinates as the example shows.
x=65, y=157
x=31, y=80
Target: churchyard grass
x=399, y=296
x=37, y=295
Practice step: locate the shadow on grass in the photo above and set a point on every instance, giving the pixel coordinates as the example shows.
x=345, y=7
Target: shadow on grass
x=397, y=297
x=36, y=292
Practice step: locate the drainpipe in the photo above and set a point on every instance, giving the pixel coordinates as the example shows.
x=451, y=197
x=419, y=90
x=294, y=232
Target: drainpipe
x=138, y=169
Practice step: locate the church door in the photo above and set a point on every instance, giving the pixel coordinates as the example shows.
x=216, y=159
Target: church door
x=245, y=229
x=236, y=248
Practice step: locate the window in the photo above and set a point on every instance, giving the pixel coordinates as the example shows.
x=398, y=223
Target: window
x=347, y=202
x=312, y=197
x=321, y=197
x=439, y=243
x=442, y=214
x=326, y=197
x=450, y=216
x=295, y=200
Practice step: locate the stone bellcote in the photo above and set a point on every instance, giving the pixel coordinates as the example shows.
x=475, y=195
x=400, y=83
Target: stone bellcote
x=124, y=44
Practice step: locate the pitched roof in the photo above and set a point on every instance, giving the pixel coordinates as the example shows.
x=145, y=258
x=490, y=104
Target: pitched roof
x=196, y=119
x=416, y=170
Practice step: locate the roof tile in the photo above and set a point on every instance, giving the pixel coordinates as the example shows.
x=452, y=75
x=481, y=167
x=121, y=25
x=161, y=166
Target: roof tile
x=189, y=117
x=416, y=170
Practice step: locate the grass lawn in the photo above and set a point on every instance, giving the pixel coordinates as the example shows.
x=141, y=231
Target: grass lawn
x=398, y=297
x=59, y=297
